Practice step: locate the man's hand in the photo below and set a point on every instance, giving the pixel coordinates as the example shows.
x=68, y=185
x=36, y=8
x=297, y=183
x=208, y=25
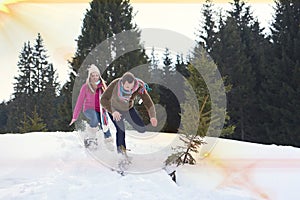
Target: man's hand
x=153, y=121
x=116, y=116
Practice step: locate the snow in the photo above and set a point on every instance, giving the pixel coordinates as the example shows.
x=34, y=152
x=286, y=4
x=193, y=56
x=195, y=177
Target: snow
x=55, y=165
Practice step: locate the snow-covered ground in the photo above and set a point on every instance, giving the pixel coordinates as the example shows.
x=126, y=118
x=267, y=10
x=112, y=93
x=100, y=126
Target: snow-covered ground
x=57, y=166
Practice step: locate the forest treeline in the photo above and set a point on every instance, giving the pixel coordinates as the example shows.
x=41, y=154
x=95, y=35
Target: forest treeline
x=260, y=69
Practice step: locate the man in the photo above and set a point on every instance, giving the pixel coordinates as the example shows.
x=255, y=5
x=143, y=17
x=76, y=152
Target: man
x=118, y=100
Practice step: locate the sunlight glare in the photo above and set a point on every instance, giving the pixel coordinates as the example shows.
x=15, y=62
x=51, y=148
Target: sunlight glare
x=3, y=7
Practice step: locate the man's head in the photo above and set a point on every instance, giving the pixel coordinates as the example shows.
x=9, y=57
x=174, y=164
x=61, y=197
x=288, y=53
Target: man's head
x=128, y=80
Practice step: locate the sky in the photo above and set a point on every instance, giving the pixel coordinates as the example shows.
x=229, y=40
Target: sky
x=60, y=21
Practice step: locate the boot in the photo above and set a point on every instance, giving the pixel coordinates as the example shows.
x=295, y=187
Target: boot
x=123, y=159
x=122, y=154
x=109, y=143
x=90, y=139
x=108, y=140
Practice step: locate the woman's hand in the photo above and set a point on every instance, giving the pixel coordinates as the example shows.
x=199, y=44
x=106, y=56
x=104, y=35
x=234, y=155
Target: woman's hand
x=72, y=122
x=116, y=116
x=153, y=121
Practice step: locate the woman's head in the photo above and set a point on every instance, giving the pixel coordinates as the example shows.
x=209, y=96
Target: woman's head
x=93, y=74
x=93, y=78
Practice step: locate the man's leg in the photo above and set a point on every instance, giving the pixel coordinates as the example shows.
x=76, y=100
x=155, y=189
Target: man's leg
x=134, y=119
x=120, y=134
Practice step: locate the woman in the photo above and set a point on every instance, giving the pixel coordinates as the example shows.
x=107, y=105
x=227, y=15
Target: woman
x=89, y=100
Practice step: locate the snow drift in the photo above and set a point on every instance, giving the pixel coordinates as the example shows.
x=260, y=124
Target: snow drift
x=57, y=166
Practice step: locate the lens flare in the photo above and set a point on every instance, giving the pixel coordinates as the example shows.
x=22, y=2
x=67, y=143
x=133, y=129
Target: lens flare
x=195, y=1
x=3, y=7
x=5, y=4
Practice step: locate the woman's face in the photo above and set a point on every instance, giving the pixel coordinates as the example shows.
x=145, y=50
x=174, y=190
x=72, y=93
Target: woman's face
x=94, y=77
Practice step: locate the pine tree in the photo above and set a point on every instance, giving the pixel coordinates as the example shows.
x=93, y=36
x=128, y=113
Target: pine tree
x=181, y=74
x=207, y=36
x=168, y=97
x=198, y=113
x=25, y=124
x=155, y=71
x=191, y=139
x=103, y=20
x=202, y=62
x=236, y=51
x=181, y=66
x=33, y=123
x=48, y=98
x=23, y=83
x=63, y=102
x=40, y=65
x=46, y=85
x=36, y=86
x=229, y=56
x=168, y=70
x=3, y=116
x=37, y=123
x=257, y=51
x=281, y=99
x=23, y=89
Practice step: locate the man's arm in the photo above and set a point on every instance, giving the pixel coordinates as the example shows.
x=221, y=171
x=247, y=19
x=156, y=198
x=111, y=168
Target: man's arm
x=149, y=105
x=107, y=95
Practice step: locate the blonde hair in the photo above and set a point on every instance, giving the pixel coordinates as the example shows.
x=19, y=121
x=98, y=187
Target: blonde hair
x=92, y=87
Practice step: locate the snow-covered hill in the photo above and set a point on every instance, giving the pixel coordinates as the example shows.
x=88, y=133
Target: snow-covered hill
x=57, y=166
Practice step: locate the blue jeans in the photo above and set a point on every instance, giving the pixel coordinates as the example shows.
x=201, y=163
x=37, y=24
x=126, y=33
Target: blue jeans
x=94, y=119
x=133, y=119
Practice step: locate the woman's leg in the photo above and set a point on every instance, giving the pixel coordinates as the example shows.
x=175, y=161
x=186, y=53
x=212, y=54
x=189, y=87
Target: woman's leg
x=92, y=128
x=93, y=117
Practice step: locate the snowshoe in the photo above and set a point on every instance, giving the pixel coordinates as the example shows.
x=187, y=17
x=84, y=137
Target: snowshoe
x=90, y=143
x=109, y=143
x=124, y=160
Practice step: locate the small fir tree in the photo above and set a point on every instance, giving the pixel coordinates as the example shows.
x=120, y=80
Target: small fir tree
x=31, y=124
x=189, y=135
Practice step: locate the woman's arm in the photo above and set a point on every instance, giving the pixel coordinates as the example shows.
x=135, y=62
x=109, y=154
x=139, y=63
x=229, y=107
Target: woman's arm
x=79, y=103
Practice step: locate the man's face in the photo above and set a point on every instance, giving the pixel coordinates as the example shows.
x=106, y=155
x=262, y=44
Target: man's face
x=128, y=86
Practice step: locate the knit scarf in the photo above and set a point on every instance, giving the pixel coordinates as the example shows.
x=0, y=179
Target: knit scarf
x=103, y=113
x=104, y=117
x=125, y=95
